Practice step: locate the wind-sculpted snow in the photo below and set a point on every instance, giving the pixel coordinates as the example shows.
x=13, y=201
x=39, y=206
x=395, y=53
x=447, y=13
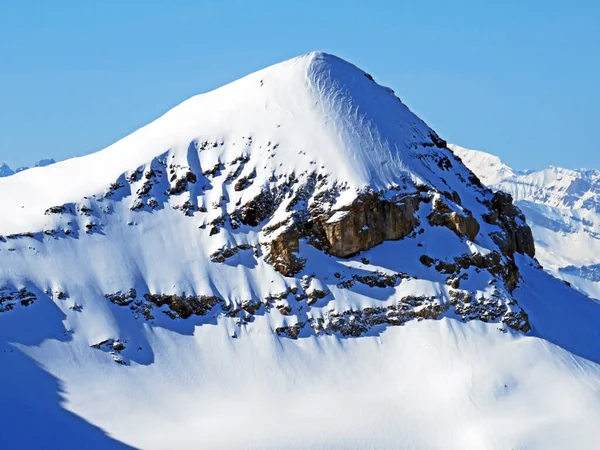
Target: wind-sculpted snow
x=295, y=238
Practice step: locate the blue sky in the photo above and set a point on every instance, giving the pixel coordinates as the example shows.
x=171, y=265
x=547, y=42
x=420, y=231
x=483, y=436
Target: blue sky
x=518, y=79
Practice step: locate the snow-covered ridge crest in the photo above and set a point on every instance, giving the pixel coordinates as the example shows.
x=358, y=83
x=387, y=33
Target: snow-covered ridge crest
x=320, y=111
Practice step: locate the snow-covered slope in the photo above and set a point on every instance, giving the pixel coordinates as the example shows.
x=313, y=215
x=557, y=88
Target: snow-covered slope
x=563, y=208
x=293, y=260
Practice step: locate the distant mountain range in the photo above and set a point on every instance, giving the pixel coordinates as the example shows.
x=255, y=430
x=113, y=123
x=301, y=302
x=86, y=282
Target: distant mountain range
x=6, y=171
x=562, y=207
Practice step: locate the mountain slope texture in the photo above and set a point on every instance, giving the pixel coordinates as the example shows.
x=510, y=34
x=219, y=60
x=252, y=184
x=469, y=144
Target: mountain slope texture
x=293, y=260
x=563, y=208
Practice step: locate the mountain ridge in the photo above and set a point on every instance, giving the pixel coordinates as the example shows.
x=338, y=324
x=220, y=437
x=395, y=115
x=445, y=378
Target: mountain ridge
x=563, y=207
x=310, y=90
x=289, y=249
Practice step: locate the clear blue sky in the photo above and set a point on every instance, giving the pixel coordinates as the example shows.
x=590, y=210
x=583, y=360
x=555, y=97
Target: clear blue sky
x=515, y=78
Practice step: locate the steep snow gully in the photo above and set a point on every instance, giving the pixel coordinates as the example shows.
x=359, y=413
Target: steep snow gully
x=292, y=260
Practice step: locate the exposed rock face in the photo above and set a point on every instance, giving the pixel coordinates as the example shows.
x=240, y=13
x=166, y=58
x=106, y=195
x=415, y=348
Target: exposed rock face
x=371, y=219
x=379, y=279
x=493, y=262
x=465, y=304
x=122, y=298
x=258, y=209
x=306, y=204
x=462, y=225
x=180, y=184
x=516, y=236
x=184, y=305
x=224, y=253
x=368, y=222
x=55, y=210
x=283, y=254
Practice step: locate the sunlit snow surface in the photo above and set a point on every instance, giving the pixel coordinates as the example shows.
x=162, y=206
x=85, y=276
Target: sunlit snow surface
x=563, y=209
x=429, y=384
x=209, y=382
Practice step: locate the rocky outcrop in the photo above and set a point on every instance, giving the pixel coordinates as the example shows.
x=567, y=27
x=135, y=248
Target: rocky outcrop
x=502, y=268
x=257, y=209
x=114, y=347
x=365, y=223
x=184, y=306
x=224, y=253
x=11, y=297
x=378, y=279
x=466, y=305
x=55, y=210
x=463, y=225
x=283, y=252
x=291, y=331
x=178, y=185
x=179, y=305
x=369, y=221
x=122, y=298
x=516, y=236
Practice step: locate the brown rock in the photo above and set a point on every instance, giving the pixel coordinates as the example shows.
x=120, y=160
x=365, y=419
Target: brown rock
x=516, y=235
x=462, y=225
x=369, y=221
x=283, y=254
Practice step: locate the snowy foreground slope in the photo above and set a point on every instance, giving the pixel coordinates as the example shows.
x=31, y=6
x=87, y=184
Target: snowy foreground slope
x=563, y=208
x=293, y=260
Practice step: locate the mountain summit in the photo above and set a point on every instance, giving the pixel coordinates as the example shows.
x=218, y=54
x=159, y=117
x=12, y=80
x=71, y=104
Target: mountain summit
x=320, y=111
x=299, y=231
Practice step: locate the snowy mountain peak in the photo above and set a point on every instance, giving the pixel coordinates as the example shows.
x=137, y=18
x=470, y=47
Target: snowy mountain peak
x=303, y=161
x=314, y=113
x=223, y=258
